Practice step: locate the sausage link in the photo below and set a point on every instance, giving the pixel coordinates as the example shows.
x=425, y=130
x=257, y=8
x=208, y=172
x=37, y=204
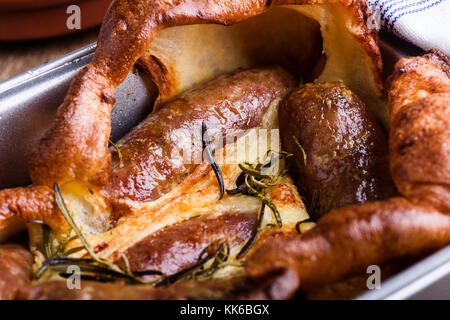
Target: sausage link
x=346, y=158
x=238, y=101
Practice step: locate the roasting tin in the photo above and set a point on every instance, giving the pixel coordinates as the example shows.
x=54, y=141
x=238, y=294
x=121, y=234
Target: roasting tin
x=28, y=103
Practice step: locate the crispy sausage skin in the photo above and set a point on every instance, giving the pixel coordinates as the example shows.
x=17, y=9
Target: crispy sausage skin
x=238, y=101
x=15, y=270
x=178, y=246
x=346, y=150
x=349, y=239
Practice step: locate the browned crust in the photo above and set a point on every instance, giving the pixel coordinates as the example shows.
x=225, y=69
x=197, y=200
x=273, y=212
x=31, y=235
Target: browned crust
x=368, y=38
x=76, y=145
x=75, y=148
x=15, y=270
x=419, y=100
x=416, y=78
x=420, y=151
x=30, y=203
x=150, y=168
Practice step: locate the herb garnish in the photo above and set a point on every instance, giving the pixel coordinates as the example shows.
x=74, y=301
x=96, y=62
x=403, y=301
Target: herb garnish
x=198, y=271
x=254, y=181
x=93, y=268
x=313, y=203
x=251, y=241
x=256, y=178
x=301, y=149
x=212, y=160
x=119, y=153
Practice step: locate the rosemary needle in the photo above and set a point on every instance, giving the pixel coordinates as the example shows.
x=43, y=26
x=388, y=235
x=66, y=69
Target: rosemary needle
x=65, y=212
x=254, y=236
x=212, y=160
x=119, y=153
x=301, y=148
x=266, y=201
x=198, y=270
x=95, y=265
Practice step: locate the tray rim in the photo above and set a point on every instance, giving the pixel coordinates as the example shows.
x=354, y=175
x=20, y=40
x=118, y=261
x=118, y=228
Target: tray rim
x=51, y=66
x=413, y=279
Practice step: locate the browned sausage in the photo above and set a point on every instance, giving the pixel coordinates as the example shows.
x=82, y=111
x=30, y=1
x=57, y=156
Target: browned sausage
x=162, y=250
x=235, y=101
x=346, y=158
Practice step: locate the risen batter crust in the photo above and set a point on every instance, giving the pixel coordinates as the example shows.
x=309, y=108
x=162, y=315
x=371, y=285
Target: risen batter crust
x=120, y=216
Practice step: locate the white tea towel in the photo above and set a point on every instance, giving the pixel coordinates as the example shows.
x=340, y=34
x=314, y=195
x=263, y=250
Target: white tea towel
x=425, y=23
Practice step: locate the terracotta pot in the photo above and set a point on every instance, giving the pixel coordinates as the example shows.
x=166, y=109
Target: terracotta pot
x=32, y=19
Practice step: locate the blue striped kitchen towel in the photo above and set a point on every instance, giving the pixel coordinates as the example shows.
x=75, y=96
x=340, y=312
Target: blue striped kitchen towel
x=426, y=23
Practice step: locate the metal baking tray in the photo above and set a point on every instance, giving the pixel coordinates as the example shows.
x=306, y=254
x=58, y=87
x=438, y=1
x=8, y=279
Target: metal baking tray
x=28, y=103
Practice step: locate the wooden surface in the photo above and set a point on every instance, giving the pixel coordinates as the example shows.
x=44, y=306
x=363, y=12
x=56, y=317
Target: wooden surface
x=17, y=57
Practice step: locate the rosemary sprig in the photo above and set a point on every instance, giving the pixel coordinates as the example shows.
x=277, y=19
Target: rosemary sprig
x=88, y=277
x=251, y=241
x=93, y=268
x=297, y=225
x=256, y=178
x=254, y=172
x=89, y=268
x=212, y=160
x=313, y=203
x=48, y=248
x=301, y=149
x=68, y=217
x=72, y=251
x=119, y=153
x=198, y=271
x=265, y=200
x=85, y=265
x=241, y=187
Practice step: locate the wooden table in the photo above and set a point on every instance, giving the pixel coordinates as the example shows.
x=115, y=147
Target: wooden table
x=17, y=57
